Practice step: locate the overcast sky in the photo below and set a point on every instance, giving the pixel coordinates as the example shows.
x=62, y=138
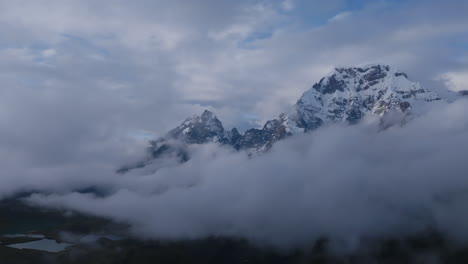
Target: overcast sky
x=86, y=67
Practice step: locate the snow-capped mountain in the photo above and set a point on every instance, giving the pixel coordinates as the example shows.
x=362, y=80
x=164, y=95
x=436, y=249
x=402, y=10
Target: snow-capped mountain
x=347, y=94
x=199, y=129
x=204, y=129
x=344, y=95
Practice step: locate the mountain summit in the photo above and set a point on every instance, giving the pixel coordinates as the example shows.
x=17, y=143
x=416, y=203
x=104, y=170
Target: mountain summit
x=344, y=95
x=199, y=129
x=347, y=94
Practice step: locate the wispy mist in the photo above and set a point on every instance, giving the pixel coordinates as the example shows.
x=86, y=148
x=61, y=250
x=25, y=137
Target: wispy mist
x=346, y=183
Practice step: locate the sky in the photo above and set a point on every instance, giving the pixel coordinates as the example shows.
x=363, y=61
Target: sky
x=84, y=84
x=145, y=66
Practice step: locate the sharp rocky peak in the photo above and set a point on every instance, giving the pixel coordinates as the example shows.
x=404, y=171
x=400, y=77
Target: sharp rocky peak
x=199, y=129
x=347, y=94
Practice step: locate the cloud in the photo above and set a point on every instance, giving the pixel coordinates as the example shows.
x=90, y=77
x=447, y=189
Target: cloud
x=241, y=57
x=288, y=5
x=456, y=81
x=340, y=16
x=347, y=183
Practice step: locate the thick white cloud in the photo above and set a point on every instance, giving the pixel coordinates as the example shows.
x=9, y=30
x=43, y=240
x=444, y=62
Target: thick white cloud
x=456, y=81
x=344, y=182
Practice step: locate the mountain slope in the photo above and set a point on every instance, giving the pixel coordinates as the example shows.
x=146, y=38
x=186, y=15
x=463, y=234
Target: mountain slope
x=344, y=95
x=199, y=129
x=348, y=94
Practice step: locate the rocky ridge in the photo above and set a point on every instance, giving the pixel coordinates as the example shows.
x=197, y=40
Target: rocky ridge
x=344, y=95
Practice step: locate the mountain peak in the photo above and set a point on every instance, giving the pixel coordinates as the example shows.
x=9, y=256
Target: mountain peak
x=366, y=76
x=348, y=93
x=206, y=115
x=199, y=129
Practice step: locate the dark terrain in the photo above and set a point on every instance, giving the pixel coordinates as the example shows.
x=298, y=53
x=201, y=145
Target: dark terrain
x=19, y=218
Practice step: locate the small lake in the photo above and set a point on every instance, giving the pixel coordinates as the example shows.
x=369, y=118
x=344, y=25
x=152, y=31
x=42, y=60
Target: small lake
x=43, y=244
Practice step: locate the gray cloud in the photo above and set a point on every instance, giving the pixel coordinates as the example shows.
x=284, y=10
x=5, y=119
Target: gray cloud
x=344, y=182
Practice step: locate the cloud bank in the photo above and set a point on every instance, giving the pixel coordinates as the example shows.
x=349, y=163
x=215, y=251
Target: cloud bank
x=347, y=183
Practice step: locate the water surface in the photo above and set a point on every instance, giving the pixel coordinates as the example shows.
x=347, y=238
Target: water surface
x=43, y=244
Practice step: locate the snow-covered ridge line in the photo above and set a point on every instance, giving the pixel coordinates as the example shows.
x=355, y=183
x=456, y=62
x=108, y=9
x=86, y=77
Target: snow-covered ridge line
x=346, y=94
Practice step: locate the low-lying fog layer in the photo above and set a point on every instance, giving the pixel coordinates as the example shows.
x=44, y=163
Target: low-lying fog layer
x=343, y=182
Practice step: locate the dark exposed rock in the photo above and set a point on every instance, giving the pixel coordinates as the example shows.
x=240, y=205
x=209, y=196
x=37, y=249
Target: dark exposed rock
x=361, y=70
x=168, y=149
x=253, y=138
x=404, y=106
x=354, y=115
x=232, y=138
x=158, y=149
x=401, y=74
x=272, y=131
x=376, y=73
x=331, y=86
x=310, y=124
x=199, y=129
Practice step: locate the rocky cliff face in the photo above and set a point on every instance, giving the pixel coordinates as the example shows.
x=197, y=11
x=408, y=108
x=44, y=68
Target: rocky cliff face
x=345, y=95
x=348, y=94
x=199, y=129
